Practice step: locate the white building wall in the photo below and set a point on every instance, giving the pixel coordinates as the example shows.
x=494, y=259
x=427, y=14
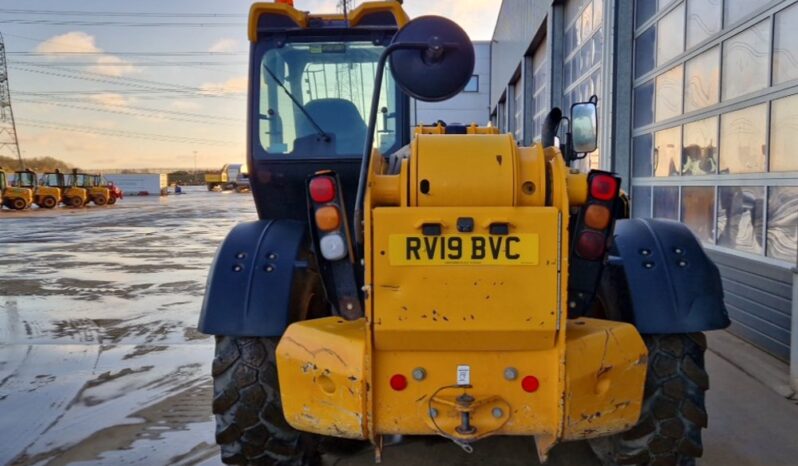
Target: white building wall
x=466, y=107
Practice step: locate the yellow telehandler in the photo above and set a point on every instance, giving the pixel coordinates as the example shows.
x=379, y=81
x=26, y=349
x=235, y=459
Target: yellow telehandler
x=18, y=195
x=440, y=280
x=98, y=194
x=71, y=195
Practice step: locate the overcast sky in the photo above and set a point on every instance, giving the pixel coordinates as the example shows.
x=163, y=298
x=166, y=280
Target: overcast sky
x=135, y=97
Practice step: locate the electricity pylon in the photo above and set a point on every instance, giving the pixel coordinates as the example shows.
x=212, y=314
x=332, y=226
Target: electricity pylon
x=9, y=144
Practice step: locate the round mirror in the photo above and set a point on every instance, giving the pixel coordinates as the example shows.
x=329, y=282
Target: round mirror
x=439, y=71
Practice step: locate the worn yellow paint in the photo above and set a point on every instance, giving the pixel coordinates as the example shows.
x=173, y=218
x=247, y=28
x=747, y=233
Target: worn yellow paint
x=303, y=19
x=606, y=369
x=489, y=317
x=322, y=370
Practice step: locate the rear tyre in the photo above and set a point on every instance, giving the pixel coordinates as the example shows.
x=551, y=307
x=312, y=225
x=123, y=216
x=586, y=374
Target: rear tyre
x=673, y=413
x=100, y=200
x=48, y=202
x=111, y=200
x=75, y=202
x=250, y=427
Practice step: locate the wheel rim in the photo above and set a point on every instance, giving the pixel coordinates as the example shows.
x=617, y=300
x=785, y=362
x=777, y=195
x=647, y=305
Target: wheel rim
x=49, y=202
x=100, y=200
x=19, y=204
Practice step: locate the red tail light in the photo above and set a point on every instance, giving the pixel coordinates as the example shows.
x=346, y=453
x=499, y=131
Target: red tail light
x=590, y=245
x=322, y=189
x=398, y=382
x=604, y=187
x=530, y=384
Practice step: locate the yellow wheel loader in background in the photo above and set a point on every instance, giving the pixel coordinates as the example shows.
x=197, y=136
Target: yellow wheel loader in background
x=97, y=194
x=45, y=197
x=71, y=195
x=19, y=195
x=440, y=281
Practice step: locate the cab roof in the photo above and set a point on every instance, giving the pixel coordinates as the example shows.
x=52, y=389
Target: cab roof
x=267, y=17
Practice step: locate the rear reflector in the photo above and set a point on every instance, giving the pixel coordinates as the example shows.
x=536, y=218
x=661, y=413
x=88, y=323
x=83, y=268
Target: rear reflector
x=398, y=382
x=597, y=217
x=603, y=187
x=530, y=384
x=590, y=245
x=322, y=189
x=333, y=247
x=328, y=218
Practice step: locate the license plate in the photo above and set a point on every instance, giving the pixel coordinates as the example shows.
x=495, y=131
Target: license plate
x=521, y=249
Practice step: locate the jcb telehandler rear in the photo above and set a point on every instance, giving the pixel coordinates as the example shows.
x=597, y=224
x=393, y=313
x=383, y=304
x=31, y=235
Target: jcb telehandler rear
x=71, y=195
x=450, y=283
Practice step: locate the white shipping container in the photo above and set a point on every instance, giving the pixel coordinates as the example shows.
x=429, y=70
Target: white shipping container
x=135, y=184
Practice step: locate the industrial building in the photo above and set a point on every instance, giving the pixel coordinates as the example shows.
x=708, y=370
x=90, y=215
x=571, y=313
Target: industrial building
x=698, y=103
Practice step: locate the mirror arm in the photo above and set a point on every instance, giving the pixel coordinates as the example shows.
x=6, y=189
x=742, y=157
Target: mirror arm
x=366, y=159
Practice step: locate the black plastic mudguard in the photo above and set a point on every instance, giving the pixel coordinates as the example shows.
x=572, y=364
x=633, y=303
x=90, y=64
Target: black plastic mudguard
x=249, y=287
x=674, y=286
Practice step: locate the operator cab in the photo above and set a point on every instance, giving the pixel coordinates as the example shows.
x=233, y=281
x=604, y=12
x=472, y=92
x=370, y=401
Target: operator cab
x=53, y=179
x=25, y=179
x=311, y=87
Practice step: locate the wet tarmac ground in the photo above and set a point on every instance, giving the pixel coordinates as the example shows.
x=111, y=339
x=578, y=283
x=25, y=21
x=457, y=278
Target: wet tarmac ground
x=100, y=362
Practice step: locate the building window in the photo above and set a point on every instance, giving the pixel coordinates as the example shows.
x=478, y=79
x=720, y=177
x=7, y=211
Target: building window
x=702, y=80
x=473, y=84
x=540, y=97
x=782, y=240
x=517, y=91
x=740, y=217
x=670, y=35
x=742, y=140
x=784, y=134
x=667, y=152
x=715, y=130
x=745, y=61
x=698, y=211
x=737, y=10
x=669, y=93
x=584, y=42
x=700, y=147
x=785, y=46
x=666, y=202
x=703, y=20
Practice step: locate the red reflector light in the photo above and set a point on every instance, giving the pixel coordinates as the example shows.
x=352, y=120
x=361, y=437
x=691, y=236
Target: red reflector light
x=604, y=187
x=530, y=384
x=398, y=382
x=322, y=189
x=590, y=245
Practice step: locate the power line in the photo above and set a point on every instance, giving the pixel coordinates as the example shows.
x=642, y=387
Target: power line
x=133, y=63
x=137, y=14
x=50, y=22
x=137, y=84
x=121, y=133
x=199, y=119
x=143, y=109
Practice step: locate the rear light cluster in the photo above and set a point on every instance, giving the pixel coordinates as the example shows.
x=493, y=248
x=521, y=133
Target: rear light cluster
x=327, y=215
x=596, y=219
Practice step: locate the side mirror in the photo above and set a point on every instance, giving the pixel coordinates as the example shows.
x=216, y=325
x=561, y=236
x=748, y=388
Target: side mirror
x=440, y=62
x=584, y=126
